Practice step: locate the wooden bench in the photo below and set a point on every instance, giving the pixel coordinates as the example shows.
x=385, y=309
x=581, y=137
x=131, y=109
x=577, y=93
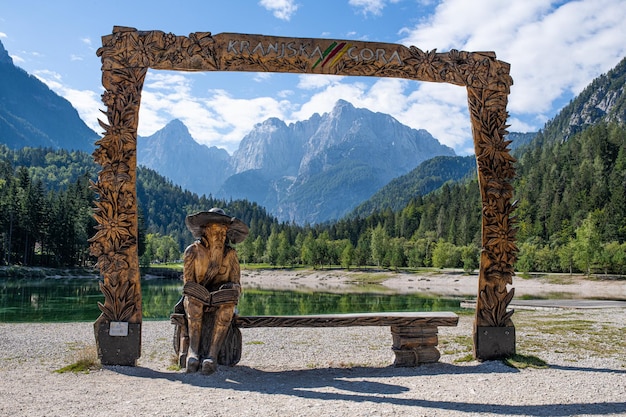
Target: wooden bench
x=414, y=334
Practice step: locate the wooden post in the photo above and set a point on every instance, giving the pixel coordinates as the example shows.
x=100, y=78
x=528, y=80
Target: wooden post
x=414, y=345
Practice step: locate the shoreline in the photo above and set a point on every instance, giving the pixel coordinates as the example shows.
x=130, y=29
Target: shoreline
x=440, y=283
x=453, y=283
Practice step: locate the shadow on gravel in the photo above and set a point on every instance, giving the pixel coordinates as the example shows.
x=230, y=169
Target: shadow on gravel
x=366, y=384
x=581, y=369
x=439, y=368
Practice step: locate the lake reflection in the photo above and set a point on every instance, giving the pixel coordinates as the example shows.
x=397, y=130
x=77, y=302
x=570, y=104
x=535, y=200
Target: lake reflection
x=54, y=300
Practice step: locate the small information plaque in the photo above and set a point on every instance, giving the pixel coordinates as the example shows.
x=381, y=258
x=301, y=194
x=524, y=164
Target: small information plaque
x=118, y=328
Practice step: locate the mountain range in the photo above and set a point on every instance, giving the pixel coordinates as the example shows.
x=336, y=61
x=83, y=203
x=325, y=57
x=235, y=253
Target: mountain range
x=306, y=172
x=33, y=115
x=346, y=162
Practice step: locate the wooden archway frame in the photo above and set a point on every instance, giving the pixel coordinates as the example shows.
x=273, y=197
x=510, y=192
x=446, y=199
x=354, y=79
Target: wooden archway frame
x=127, y=54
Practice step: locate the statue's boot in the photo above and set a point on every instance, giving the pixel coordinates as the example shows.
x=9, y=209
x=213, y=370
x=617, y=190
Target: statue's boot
x=223, y=317
x=194, y=310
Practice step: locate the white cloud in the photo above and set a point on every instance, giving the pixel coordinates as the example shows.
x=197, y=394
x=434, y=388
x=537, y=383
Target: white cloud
x=262, y=76
x=217, y=120
x=442, y=110
x=240, y=115
x=281, y=9
x=518, y=125
x=167, y=96
x=554, y=51
x=323, y=101
x=284, y=93
x=88, y=105
x=315, y=81
x=3, y=35
x=374, y=7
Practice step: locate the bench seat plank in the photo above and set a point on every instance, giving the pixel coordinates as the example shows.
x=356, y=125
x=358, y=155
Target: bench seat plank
x=414, y=334
x=404, y=319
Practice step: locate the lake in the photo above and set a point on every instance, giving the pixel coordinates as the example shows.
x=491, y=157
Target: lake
x=75, y=299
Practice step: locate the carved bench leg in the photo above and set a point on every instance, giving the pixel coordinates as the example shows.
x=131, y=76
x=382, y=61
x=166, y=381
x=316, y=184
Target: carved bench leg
x=181, y=338
x=414, y=345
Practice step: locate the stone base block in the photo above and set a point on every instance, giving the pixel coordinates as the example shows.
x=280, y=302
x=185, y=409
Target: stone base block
x=494, y=342
x=118, y=350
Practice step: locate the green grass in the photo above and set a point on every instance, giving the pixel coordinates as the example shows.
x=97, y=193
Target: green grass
x=86, y=361
x=467, y=358
x=571, y=334
x=457, y=345
x=525, y=361
x=370, y=278
x=81, y=366
x=176, y=266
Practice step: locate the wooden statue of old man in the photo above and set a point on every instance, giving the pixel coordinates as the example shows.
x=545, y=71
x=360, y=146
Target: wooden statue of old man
x=211, y=291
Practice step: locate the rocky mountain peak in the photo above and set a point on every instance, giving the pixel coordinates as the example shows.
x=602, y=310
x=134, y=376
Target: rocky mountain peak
x=316, y=169
x=342, y=107
x=272, y=122
x=5, y=58
x=602, y=100
x=176, y=131
x=174, y=153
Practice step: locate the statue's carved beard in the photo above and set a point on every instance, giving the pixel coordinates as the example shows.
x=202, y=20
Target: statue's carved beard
x=216, y=256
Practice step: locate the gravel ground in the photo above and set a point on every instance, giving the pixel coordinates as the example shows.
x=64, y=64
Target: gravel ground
x=338, y=371
x=325, y=372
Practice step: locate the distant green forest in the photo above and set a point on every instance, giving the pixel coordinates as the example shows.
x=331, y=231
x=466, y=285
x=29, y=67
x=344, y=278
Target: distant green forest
x=571, y=214
x=46, y=208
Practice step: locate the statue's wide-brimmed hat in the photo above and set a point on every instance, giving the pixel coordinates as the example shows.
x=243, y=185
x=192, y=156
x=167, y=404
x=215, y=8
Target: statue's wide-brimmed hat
x=237, y=230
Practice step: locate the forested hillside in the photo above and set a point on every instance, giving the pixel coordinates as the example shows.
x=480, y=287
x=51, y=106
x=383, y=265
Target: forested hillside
x=46, y=208
x=572, y=211
x=571, y=215
x=165, y=205
x=427, y=177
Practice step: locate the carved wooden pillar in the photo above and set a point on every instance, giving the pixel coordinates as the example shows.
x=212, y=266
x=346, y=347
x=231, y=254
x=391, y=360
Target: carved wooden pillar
x=118, y=329
x=494, y=334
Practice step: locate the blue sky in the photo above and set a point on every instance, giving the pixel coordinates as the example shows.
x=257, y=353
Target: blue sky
x=555, y=49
